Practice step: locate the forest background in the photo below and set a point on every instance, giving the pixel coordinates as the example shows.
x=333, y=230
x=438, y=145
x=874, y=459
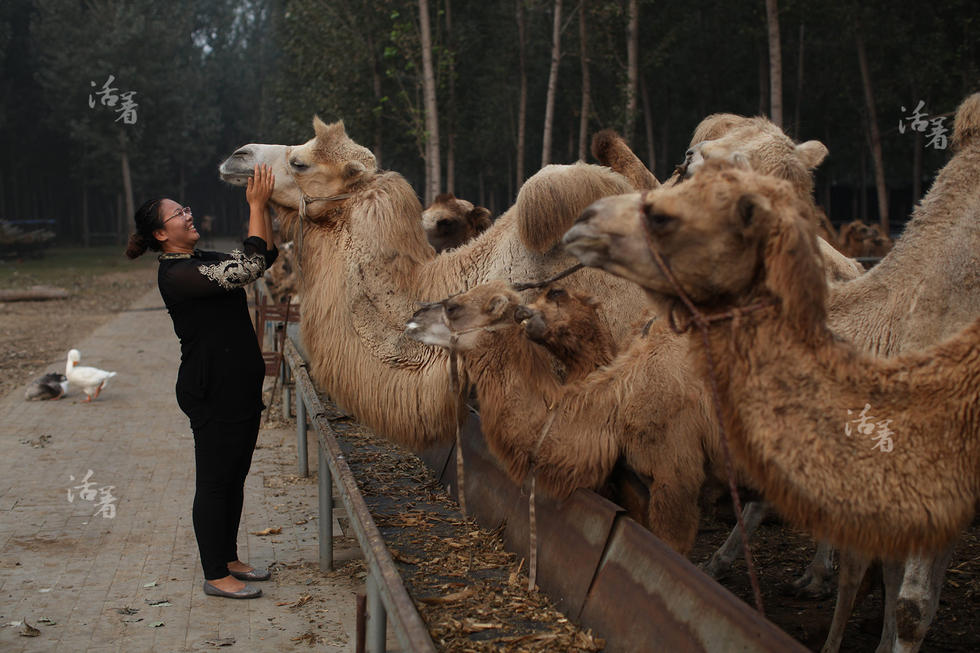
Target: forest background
x=459, y=95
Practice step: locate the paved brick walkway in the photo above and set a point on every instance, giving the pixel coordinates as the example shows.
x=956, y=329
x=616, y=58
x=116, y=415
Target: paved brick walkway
x=59, y=561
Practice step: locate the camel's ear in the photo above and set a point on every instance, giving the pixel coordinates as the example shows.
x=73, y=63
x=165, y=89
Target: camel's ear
x=794, y=271
x=749, y=206
x=496, y=306
x=479, y=217
x=442, y=198
x=324, y=131
x=811, y=153
x=353, y=169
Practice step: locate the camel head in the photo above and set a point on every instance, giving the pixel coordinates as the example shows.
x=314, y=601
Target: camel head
x=728, y=235
x=557, y=314
x=324, y=166
x=449, y=222
x=759, y=143
x=485, y=308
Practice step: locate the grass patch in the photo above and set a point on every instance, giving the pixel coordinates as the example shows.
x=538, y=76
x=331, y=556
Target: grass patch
x=64, y=266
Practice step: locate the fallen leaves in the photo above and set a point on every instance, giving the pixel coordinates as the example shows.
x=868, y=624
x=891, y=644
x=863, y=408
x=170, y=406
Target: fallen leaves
x=161, y=603
x=27, y=630
x=223, y=641
x=448, y=598
x=272, y=530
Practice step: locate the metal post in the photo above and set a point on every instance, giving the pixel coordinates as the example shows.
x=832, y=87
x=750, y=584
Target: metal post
x=287, y=400
x=302, y=462
x=377, y=618
x=326, y=511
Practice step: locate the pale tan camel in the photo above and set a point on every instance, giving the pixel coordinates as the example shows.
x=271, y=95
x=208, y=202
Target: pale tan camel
x=282, y=277
x=733, y=238
x=450, y=222
x=366, y=264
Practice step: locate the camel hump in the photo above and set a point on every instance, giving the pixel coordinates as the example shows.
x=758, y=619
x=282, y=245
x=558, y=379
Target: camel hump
x=611, y=150
x=966, y=125
x=550, y=201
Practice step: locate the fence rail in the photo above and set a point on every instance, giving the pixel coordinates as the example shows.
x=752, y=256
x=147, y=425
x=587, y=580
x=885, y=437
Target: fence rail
x=388, y=600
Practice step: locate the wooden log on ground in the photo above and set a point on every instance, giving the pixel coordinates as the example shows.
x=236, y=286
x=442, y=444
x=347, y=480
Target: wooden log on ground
x=34, y=293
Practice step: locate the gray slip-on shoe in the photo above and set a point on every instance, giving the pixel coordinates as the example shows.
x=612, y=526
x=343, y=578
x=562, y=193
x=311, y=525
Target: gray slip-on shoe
x=255, y=574
x=247, y=592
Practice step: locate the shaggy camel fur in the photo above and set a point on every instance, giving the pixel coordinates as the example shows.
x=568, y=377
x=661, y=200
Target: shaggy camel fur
x=647, y=405
x=569, y=326
x=366, y=265
x=733, y=238
x=450, y=222
x=282, y=278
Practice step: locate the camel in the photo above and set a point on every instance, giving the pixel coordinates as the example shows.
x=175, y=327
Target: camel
x=366, y=264
x=855, y=237
x=734, y=238
x=756, y=141
x=450, y=222
x=951, y=205
x=282, y=278
x=569, y=326
x=646, y=405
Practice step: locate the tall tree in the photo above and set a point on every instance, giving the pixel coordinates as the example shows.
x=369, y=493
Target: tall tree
x=775, y=64
x=433, y=181
x=450, y=52
x=522, y=92
x=873, y=133
x=632, y=68
x=549, y=108
x=583, y=121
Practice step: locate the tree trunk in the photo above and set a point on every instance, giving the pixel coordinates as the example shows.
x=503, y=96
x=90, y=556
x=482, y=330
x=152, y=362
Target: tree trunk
x=648, y=125
x=917, y=169
x=775, y=64
x=376, y=86
x=763, y=82
x=433, y=181
x=875, y=136
x=86, y=230
x=799, y=89
x=522, y=103
x=632, y=70
x=451, y=123
x=549, y=107
x=583, y=123
x=127, y=189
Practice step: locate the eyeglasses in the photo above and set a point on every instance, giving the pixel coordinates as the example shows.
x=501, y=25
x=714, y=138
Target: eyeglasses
x=184, y=212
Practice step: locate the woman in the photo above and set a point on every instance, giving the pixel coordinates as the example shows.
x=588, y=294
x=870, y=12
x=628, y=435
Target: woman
x=219, y=385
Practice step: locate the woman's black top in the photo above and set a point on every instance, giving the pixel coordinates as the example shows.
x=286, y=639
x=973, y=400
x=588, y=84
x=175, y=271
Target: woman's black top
x=221, y=367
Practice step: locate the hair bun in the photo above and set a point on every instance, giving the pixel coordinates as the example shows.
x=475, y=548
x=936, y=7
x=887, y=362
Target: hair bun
x=136, y=246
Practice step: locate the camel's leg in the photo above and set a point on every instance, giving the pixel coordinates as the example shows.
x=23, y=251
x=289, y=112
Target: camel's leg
x=721, y=562
x=918, y=600
x=816, y=581
x=674, y=514
x=852, y=568
x=891, y=572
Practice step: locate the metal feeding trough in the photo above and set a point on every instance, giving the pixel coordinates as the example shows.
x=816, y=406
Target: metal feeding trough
x=604, y=570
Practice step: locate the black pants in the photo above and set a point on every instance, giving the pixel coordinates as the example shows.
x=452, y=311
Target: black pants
x=223, y=454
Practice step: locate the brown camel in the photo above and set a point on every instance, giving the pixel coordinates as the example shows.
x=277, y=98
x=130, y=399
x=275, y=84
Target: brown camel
x=450, y=222
x=647, y=405
x=282, y=278
x=568, y=325
x=808, y=414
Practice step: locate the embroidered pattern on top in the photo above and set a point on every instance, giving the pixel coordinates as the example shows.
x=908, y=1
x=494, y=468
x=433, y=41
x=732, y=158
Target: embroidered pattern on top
x=236, y=272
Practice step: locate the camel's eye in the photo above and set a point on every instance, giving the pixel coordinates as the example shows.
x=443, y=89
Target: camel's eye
x=452, y=309
x=659, y=221
x=298, y=165
x=555, y=294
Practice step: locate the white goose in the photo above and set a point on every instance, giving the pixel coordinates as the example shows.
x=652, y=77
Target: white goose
x=90, y=379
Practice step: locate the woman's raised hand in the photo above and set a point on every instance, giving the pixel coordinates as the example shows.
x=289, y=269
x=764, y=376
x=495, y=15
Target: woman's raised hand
x=260, y=186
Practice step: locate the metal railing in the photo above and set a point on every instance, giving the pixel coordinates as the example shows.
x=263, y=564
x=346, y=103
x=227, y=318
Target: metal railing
x=387, y=598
